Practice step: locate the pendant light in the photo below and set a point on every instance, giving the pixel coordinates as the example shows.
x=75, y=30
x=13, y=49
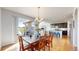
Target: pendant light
x=38, y=17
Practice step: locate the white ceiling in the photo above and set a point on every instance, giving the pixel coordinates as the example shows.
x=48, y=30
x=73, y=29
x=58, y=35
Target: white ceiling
x=50, y=14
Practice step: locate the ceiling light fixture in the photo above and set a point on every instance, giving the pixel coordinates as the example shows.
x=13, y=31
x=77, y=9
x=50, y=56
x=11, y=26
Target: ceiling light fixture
x=38, y=17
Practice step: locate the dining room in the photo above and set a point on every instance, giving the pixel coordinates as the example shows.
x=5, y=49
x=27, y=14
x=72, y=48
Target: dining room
x=37, y=29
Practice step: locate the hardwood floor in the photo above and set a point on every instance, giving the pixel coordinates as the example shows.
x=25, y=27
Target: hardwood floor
x=62, y=44
x=11, y=47
x=7, y=46
x=57, y=45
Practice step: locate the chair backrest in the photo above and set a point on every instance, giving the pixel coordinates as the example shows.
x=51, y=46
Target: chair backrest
x=30, y=47
x=42, y=43
x=49, y=40
x=50, y=37
x=21, y=43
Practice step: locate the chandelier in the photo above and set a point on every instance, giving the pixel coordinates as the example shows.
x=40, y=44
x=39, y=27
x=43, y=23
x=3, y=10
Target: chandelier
x=38, y=16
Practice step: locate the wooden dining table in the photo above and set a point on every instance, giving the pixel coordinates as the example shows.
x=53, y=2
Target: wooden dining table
x=37, y=44
x=30, y=40
x=33, y=42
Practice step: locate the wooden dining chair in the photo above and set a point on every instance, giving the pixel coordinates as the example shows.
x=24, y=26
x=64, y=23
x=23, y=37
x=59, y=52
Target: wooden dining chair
x=29, y=47
x=41, y=44
x=21, y=46
x=49, y=41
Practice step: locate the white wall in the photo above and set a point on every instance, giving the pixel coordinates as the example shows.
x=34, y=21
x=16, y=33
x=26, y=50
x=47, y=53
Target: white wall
x=68, y=26
x=73, y=29
x=70, y=30
x=8, y=28
x=8, y=23
x=78, y=29
x=76, y=35
x=0, y=28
